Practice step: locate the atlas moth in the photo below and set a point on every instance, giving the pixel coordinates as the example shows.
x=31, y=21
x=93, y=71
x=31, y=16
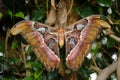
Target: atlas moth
x=46, y=40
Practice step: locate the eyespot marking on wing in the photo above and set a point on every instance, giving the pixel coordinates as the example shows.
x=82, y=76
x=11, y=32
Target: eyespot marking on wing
x=72, y=42
x=51, y=43
x=79, y=26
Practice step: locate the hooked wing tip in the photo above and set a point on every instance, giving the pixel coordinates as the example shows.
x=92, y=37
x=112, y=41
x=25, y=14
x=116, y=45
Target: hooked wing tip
x=18, y=27
x=101, y=20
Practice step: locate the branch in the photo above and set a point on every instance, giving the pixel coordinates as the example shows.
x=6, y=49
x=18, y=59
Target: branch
x=97, y=69
x=6, y=42
x=36, y=3
x=118, y=68
x=115, y=37
x=23, y=54
x=111, y=34
x=18, y=74
x=103, y=75
x=71, y=5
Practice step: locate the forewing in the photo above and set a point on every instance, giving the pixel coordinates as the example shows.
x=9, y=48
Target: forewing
x=75, y=49
x=79, y=39
x=35, y=34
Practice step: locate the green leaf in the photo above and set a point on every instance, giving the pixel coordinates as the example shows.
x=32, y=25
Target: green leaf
x=14, y=45
x=37, y=74
x=76, y=9
x=85, y=11
x=101, y=63
x=52, y=75
x=2, y=47
x=85, y=72
x=9, y=12
x=20, y=14
x=5, y=79
x=36, y=65
x=13, y=60
x=38, y=15
x=1, y=15
x=29, y=49
x=110, y=43
x=104, y=3
x=95, y=47
x=28, y=78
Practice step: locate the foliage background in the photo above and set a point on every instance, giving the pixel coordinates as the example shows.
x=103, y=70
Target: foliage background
x=19, y=62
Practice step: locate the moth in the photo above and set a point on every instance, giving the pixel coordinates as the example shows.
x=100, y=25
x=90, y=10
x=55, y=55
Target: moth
x=47, y=40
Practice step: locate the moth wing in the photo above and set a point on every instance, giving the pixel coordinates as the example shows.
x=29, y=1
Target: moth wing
x=34, y=33
x=75, y=49
x=79, y=39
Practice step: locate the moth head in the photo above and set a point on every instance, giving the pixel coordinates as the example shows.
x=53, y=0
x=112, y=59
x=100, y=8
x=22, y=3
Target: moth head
x=21, y=26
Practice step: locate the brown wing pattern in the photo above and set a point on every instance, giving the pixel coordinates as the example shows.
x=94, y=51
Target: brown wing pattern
x=79, y=40
x=45, y=40
x=35, y=33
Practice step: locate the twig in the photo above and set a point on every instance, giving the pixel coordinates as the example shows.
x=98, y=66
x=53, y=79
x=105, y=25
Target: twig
x=23, y=54
x=18, y=74
x=111, y=34
x=118, y=68
x=97, y=69
x=115, y=37
x=103, y=75
x=47, y=8
x=117, y=8
x=36, y=3
x=6, y=41
x=118, y=12
x=70, y=7
x=94, y=60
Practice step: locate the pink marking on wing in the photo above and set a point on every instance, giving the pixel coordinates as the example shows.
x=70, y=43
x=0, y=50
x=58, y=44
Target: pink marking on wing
x=50, y=54
x=73, y=54
x=39, y=38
